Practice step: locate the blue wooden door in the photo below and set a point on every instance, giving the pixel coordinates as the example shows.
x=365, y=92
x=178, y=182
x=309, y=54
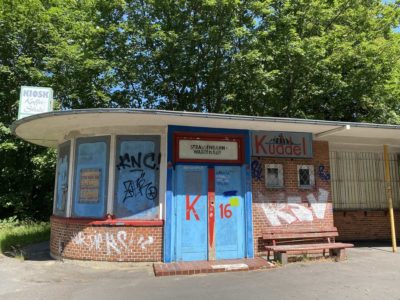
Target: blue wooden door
x=229, y=212
x=191, y=213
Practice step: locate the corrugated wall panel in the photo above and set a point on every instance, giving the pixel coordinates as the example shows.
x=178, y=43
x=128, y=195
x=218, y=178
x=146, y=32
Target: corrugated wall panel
x=357, y=180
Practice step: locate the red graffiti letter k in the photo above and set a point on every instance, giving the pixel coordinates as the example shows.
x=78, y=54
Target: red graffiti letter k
x=190, y=207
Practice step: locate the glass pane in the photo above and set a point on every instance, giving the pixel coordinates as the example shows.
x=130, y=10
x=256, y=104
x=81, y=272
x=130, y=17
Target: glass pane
x=273, y=177
x=304, y=176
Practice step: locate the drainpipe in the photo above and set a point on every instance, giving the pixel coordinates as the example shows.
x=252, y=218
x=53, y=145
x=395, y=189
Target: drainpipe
x=389, y=197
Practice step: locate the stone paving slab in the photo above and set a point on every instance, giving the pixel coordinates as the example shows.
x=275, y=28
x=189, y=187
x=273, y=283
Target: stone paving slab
x=216, y=266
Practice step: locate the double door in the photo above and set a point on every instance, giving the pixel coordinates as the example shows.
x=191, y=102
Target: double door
x=209, y=212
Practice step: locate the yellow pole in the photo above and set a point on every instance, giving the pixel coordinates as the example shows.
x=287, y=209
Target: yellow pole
x=389, y=197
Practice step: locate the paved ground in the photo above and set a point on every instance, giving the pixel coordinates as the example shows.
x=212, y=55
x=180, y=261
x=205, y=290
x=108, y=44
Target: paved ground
x=371, y=272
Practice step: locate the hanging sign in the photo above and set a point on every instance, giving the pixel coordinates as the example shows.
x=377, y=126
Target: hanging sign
x=34, y=100
x=282, y=144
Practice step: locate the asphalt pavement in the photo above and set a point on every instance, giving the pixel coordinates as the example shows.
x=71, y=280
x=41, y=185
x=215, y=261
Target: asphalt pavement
x=370, y=272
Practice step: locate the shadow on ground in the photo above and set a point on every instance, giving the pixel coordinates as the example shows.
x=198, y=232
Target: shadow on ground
x=385, y=246
x=37, y=252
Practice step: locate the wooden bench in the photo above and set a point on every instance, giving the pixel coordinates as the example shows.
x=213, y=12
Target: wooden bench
x=282, y=242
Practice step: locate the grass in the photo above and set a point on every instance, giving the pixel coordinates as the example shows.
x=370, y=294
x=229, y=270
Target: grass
x=15, y=234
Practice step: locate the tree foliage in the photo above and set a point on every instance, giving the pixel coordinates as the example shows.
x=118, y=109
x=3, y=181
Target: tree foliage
x=324, y=59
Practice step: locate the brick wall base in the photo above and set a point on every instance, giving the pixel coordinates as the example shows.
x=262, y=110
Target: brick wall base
x=77, y=240
x=364, y=225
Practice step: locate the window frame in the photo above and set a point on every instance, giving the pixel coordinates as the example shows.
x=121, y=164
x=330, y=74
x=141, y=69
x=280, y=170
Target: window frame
x=311, y=170
x=157, y=149
x=104, y=179
x=280, y=176
x=64, y=149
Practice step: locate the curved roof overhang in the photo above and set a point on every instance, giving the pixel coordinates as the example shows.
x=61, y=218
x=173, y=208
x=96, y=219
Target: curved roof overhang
x=51, y=129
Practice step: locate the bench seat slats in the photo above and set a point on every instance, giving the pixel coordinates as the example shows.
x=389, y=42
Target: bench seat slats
x=308, y=247
x=294, y=235
x=299, y=230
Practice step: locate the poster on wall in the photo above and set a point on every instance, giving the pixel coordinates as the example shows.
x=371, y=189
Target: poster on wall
x=281, y=144
x=89, y=191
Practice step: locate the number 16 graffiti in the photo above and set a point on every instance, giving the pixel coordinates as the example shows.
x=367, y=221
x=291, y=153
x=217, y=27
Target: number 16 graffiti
x=225, y=211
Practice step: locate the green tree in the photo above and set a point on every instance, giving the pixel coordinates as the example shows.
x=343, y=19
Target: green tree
x=324, y=59
x=46, y=43
x=25, y=169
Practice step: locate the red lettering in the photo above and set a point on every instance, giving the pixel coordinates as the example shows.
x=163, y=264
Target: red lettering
x=288, y=150
x=296, y=150
x=225, y=211
x=279, y=149
x=190, y=208
x=271, y=149
x=259, y=143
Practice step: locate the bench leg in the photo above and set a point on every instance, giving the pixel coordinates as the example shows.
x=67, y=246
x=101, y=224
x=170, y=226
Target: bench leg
x=282, y=257
x=339, y=254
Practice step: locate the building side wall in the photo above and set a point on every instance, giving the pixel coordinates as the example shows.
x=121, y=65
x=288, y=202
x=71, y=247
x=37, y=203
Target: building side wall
x=291, y=206
x=363, y=225
x=76, y=240
x=359, y=194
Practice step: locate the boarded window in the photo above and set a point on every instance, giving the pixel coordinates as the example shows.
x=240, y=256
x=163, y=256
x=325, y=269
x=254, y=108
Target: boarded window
x=137, y=177
x=62, y=178
x=358, y=180
x=91, y=172
x=194, y=182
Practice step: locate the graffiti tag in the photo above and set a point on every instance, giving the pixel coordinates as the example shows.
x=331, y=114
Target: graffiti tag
x=117, y=243
x=291, y=211
x=256, y=170
x=139, y=186
x=323, y=174
x=148, y=160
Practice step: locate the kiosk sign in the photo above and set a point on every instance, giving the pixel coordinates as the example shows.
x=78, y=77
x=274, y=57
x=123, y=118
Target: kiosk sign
x=34, y=100
x=282, y=144
x=208, y=150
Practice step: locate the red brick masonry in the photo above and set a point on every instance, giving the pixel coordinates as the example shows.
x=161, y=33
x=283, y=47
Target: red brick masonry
x=292, y=206
x=364, y=225
x=216, y=266
x=88, y=240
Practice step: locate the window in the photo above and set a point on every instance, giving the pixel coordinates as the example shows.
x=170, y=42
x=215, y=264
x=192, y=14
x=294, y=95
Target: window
x=62, y=178
x=273, y=176
x=91, y=177
x=137, y=177
x=305, y=176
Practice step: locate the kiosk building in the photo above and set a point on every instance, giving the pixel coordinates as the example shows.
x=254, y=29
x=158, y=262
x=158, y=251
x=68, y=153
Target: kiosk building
x=151, y=185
